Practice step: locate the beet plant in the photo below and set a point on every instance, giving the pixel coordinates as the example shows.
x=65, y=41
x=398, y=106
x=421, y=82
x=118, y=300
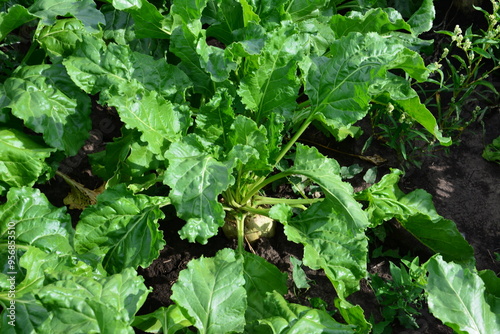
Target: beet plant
x=213, y=96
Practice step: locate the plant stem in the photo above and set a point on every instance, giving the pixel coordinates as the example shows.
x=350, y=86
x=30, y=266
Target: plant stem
x=263, y=181
x=240, y=227
x=262, y=200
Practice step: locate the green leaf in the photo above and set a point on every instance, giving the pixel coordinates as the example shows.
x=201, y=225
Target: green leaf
x=60, y=40
x=187, y=11
x=45, y=97
x=15, y=17
x=298, y=274
x=492, y=151
x=35, y=221
x=84, y=304
x=83, y=10
x=184, y=42
x=245, y=136
x=284, y=317
x=167, y=319
x=123, y=227
x=270, y=84
x=492, y=289
x=379, y=20
x=126, y=160
x=416, y=213
x=301, y=9
x=261, y=277
x=29, y=317
x=212, y=292
x=148, y=21
x=422, y=19
x=196, y=179
x=156, y=118
x=456, y=297
x=398, y=91
x=215, y=117
x=22, y=159
x=225, y=16
x=332, y=231
x=338, y=86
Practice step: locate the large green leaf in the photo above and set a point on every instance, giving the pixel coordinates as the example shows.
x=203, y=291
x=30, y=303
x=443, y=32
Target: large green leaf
x=167, y=319
x=421, y=20
x=83, y=10
x=45, y=97
x=270, y=84
x=148, y=21
x=96, y=67
x=84, y=304
x=212, y=292
x=61, y=39
x=416, y=213
x=123, y=227
x=156, y=118
x=378, y=20
x=35, y=221
x=22, y=159
x=286, y=318
x=38, y=265
x=456, y=297
x=15, y=17
x=196, y=179
x=332, y=231
x=338, y=85
x=261, y=277
x=248, y=143
x=29, y=317
x=137, y=85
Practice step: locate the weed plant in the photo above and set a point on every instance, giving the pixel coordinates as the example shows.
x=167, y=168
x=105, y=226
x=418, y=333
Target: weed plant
x=459, y=93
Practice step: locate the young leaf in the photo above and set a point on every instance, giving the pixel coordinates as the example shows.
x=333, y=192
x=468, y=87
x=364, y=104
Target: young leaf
x=124, y=227
x=45, y=97
x=245, y=136
x=183, y=44
x=299, y=276
x=22, y=159
x=212, y=292
x=456, y=297
x=15, y=17
x=126, y=160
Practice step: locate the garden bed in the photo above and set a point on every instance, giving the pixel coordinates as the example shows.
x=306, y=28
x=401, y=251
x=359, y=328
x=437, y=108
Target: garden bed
x=184, y=144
